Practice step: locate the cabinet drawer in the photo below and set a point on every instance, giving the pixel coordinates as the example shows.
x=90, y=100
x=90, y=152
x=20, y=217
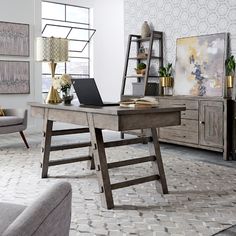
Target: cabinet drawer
x=189, y=104
x=189, y=114
x=179, y=135
x=187, y=125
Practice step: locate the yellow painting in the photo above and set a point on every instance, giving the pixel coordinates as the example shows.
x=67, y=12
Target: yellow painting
x=199, y=69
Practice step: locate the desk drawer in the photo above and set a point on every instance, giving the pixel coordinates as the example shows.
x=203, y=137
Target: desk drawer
x=179, y=135
x=187, y=125
x=189, y=104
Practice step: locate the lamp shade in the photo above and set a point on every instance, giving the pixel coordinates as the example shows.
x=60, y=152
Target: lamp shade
x=52, y=49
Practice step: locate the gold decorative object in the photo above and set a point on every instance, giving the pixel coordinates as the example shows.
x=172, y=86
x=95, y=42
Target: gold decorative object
x=230, y=81
x=166, y=81
x=167, y=85
x=52, y=50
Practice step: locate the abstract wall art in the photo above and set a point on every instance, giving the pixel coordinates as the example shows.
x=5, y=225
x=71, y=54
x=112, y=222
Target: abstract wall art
x=199, y=69
x=14, y=39
x=14, y=77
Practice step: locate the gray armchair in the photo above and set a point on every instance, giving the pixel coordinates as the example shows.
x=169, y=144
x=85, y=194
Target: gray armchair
x=49, y=215
x=15, y=120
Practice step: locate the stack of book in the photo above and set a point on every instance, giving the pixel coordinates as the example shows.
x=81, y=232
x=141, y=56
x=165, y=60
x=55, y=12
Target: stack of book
x=140, y=102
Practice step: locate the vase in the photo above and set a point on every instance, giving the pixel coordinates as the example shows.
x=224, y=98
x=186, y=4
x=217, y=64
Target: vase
x=145, y=30
x=167, y=85
x=67, y=96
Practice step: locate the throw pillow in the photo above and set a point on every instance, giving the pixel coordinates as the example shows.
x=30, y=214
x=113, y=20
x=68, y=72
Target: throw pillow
x=2, y=112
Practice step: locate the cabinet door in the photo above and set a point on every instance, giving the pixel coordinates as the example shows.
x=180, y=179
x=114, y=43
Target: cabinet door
x=211, y=123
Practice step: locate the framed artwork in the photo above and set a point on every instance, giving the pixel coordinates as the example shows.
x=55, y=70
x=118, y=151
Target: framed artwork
x=14, y=77
x=14, y=39
x=199, y=69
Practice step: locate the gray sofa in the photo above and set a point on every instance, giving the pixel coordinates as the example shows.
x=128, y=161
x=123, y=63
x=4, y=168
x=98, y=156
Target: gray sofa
x=49, y=215
x=15, y=120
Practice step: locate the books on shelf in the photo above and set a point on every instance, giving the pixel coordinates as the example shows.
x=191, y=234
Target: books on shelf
x=140, y=102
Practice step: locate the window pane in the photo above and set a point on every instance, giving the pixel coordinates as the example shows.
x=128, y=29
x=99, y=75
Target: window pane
x=54, y=22
x=46, y=83
x=60, y=68
x=78, y=66
x=77, y=14
x=53, y=11
x=78, y=46
x=82, y=34
x=56, y=31
x=79, y=54
x=45, y=68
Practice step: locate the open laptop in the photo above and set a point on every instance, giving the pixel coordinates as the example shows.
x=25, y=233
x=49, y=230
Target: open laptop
x=88, y=94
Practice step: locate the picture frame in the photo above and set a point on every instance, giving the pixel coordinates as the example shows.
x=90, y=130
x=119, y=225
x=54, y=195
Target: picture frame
x=14, y=77
x=200, y=65
x=14, y=39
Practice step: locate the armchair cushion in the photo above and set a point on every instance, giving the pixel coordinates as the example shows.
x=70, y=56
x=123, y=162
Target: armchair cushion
x=10, y=120
x=15, y=120
x=8, y=213
x=50, y=214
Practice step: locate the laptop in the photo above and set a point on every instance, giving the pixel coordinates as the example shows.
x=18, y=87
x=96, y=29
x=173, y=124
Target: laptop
x=88, y=94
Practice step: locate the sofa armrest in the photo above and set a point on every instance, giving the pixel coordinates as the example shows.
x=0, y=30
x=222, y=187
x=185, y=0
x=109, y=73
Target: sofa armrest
x=48, y=215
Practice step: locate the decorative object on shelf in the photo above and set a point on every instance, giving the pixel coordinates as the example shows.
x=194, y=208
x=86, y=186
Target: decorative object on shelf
x=14, y=39
x=199, y=69
x=141, y=68
x=166, y=79
x=145, y=30
x=64, y=84
x=14, y=77
x=142, y=53
x=52, y=50
x=230, y=70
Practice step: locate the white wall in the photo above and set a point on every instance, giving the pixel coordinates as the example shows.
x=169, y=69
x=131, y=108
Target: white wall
x=23, y=12
x=109, y=47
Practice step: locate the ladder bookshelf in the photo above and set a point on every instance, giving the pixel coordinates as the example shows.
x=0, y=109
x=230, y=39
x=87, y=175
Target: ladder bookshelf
x=142, y=81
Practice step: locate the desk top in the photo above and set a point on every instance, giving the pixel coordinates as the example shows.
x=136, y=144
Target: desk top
x=110, y=117
x=109, y=110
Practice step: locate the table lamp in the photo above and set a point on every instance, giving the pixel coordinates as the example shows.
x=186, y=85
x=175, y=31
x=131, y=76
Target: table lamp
x=52, y=50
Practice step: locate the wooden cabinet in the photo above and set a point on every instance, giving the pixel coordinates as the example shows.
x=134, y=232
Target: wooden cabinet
x=205, y=124
x=211, y=124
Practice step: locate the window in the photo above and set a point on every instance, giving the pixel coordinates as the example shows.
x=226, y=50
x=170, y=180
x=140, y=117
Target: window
x=72, y=22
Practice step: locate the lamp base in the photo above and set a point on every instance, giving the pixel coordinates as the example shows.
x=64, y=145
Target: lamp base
x=53, y=96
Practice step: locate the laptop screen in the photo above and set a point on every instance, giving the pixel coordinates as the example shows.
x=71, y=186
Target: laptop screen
x=87, y=92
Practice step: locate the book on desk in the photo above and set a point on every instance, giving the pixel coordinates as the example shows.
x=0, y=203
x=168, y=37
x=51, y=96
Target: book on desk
x=140, y=102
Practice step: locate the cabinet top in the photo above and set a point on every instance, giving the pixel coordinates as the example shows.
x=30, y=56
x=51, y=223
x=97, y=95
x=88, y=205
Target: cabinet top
x=187, y=97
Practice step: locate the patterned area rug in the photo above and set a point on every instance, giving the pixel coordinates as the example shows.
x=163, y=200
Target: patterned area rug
x=201, y=201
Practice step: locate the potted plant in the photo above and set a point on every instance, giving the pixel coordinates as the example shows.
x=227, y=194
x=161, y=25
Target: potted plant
x=166, y=79
x=141, y=68
x=230, y=70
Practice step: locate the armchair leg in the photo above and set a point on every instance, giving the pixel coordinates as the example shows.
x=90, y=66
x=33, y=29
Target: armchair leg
x=24, y=139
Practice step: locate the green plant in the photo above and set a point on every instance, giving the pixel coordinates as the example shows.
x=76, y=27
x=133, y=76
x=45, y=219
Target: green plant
x=166, y=71
x=230, y=65
x=141, y=66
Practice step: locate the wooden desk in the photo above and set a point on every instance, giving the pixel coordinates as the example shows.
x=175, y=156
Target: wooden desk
x=111, y=118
